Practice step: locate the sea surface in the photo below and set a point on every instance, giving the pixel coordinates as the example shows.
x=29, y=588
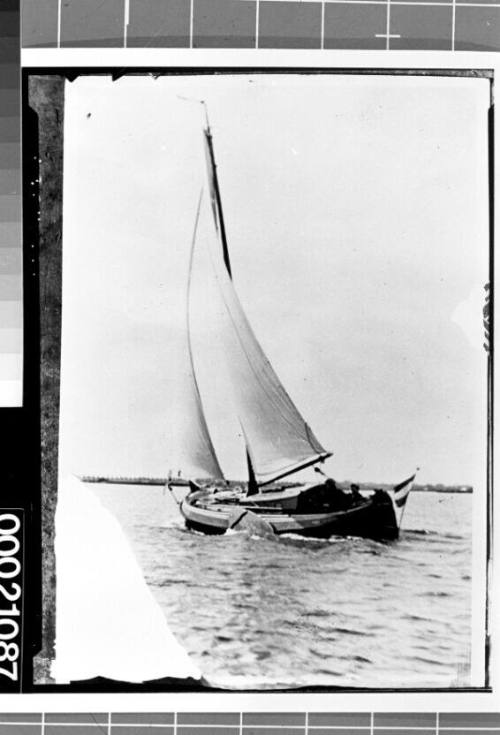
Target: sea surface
x=286, y=612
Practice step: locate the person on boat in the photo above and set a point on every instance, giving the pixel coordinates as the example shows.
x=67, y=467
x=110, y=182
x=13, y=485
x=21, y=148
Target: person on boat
x=337, y=497
x=355, y=493
x=380, y=496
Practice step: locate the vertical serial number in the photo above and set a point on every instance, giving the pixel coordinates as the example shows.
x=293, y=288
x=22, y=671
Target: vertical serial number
x=10, y=595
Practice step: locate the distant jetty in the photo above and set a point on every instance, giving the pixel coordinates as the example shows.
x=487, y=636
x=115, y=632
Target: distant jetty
x=132, y=480
x=161, y=481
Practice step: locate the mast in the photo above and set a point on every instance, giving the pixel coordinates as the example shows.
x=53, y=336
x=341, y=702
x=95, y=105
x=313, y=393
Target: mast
x=215, y=194
x=253, y=487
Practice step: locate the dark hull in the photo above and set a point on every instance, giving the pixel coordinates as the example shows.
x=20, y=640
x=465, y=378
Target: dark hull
x=371, y=518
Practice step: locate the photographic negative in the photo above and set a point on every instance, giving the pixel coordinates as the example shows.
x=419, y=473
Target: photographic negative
x=273, y=423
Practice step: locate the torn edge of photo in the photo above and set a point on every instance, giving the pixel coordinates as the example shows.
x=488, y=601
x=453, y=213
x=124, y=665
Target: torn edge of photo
x=258, y=386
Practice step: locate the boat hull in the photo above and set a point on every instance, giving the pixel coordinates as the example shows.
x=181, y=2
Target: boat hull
x=369, y=518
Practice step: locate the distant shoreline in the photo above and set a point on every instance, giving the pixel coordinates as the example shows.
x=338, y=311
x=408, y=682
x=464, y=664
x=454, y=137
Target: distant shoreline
x=160, y=481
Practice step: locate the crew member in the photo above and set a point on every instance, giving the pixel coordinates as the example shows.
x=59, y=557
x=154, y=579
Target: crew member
x=356, y=495
x=337, y=496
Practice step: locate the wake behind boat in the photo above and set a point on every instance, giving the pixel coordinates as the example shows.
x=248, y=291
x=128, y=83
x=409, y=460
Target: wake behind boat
x=277, y=440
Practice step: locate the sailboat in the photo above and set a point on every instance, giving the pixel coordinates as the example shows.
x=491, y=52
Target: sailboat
x=276, y=440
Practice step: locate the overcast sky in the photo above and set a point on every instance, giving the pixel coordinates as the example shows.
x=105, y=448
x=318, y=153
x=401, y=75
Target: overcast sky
x=356, y=213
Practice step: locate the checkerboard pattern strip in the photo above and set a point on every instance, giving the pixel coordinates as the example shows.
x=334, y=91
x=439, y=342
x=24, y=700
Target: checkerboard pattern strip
x=10, y=208
x=252, y=723
x=461, y=25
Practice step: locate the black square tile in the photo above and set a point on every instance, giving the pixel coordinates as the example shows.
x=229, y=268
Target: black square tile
x=39, y=23
x=477, y=29
x=289, y=25
x=224, y=23
x=94, y=23
x=156, y=23
x=423, y=28
x=353, y=26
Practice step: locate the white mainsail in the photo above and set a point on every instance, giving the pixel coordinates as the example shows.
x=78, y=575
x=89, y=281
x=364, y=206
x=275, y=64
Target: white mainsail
x=278, y=439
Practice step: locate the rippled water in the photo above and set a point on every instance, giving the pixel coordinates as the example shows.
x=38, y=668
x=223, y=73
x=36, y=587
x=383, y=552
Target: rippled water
x=263, y=612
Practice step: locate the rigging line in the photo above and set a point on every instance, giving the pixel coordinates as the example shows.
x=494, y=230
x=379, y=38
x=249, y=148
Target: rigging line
x=282, y=393
x=190, y=346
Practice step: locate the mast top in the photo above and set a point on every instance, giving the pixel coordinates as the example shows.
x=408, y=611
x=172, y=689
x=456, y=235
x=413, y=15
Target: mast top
x=200, y=102
x=205, y=107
